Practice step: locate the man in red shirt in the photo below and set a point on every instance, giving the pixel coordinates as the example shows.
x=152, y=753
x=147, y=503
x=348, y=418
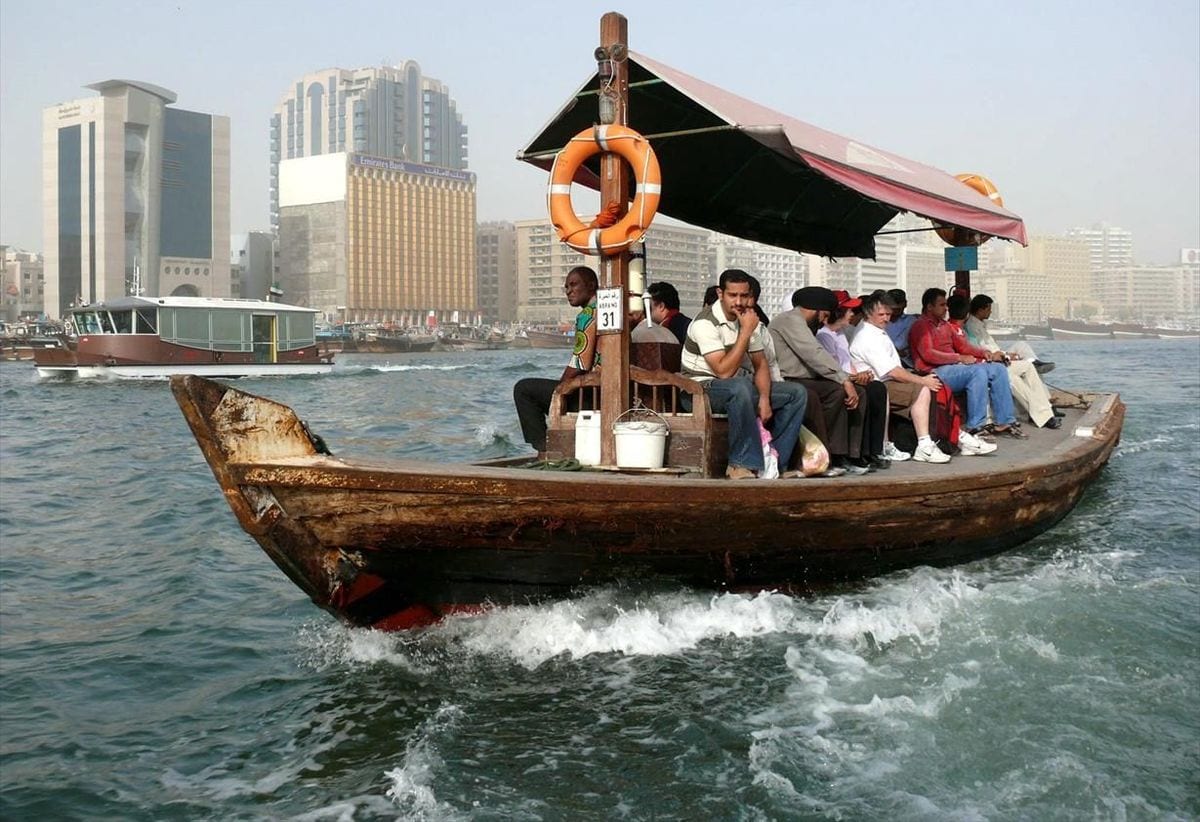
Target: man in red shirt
x=937, y=348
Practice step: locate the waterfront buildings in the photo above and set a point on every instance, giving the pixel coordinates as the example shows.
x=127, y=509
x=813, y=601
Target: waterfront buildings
x=496, y=264
x=256, y=266
x=675, y=253
x=133, y=190
x=23, y=285
x=1066, y=263
x=393, y=112
x=1110, y=247
x=780, y=271
x=373, y=239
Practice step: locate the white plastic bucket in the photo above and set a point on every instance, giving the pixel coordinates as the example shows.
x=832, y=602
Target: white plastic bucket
x=640, y=444
x=587, y=438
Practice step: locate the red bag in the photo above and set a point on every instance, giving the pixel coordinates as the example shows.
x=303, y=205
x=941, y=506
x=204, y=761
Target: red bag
x=946, y=416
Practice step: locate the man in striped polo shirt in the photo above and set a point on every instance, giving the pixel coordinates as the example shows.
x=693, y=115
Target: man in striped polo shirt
x=720, y=336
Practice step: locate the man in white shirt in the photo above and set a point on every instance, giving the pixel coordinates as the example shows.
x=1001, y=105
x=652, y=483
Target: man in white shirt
x=873, y=349
x=718, y=339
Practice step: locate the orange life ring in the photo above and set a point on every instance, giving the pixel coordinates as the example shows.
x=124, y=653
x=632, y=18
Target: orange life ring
x=634, y=149
x=985, y=187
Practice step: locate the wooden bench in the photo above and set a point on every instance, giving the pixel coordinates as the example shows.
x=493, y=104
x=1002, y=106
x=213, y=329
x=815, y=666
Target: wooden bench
x=698, y=441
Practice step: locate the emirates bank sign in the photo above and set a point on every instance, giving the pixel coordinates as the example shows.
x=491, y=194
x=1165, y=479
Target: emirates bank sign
x=385, y=164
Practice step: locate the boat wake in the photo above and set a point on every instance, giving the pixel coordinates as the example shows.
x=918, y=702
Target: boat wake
x=358, y=369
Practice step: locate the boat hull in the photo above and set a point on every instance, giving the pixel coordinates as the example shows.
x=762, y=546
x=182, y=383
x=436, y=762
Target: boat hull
x=396, y=544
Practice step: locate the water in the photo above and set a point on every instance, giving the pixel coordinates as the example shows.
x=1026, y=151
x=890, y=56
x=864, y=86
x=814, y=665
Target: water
x=154, y=664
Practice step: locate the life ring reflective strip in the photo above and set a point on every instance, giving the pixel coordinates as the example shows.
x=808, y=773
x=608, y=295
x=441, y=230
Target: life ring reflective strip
x=634, y=149
x=983, y=185
x=988, y=189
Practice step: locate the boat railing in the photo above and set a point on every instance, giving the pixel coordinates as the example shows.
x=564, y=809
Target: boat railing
x=698, y=442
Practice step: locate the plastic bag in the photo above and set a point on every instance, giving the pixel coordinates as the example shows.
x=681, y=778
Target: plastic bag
x=814, y=456
x=770, y=455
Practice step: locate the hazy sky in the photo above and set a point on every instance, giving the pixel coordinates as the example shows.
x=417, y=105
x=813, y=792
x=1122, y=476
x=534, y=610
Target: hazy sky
x=1078, y=111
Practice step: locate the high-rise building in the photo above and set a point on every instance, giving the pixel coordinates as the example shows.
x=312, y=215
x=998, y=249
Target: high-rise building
x=135, y=197
x=256, y=258
x=1066, y=262
x=780, y=271
x=679, y=255
x=887, y=270
x=1111, y=247
x=496, y=260
x=392, y=112
x=370, y=239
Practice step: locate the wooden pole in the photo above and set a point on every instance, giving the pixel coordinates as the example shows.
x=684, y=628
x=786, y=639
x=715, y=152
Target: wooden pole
x=615, y=185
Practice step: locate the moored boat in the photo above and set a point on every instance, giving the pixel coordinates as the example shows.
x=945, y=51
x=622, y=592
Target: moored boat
x=393, y=544
x=132, y=337
x=549, y=339
x=1079, y=330
x=1131, y=331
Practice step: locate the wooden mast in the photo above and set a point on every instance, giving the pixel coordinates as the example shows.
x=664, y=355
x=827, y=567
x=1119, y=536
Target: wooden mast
x=615, y=185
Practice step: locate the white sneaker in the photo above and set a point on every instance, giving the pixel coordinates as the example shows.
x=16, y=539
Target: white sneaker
x=931, y=453
x=972, y=446
x=891, y=452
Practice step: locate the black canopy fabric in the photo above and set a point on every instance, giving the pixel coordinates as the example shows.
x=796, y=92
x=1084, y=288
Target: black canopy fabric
x=735, y=167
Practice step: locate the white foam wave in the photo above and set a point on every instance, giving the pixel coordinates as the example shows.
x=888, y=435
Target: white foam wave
x=412, y=782
x=415, y=367
x=489, y=434
x=658, y=625
x=324, y=645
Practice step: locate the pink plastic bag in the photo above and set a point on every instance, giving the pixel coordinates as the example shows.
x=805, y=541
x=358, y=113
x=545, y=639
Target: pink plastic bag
x=770, y=455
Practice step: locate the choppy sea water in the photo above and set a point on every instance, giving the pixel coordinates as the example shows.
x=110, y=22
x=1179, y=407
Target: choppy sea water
x=154, y=664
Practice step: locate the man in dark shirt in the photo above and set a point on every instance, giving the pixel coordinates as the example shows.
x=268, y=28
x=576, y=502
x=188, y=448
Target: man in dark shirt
x=664, y=310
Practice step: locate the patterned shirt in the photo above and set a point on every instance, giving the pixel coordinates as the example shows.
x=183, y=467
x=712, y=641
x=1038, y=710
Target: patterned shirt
x=585, y=318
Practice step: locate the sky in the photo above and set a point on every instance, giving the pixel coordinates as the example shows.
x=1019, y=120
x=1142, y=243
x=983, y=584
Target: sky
x=1079, y=112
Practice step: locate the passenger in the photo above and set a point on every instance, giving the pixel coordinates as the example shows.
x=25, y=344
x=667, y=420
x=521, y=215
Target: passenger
x=767, y=340
x=900, y=325
x=710, y=295
x=839, y=416
x=641, y=331
x=532, y=395
x=664, y=309
x=963, y=367
x=873, y=349
x=978, y=331
x=832, y=337
x=717, y=340
x=1027, y=387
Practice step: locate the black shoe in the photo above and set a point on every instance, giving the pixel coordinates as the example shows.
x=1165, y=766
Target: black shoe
x=1043, y=367
x=879, y=463
x=1058, y=412
x=1053, y=423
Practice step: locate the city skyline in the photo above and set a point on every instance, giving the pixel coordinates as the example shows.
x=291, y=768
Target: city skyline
x=1078, y=115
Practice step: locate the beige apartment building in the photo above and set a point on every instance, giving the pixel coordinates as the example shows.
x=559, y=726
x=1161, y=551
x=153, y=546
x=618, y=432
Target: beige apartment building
x=679, y=255
x=1066, y=263
x=373, y=239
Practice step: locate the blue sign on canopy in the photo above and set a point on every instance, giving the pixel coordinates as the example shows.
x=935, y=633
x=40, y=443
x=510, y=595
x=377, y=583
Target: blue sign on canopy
x=962, y=258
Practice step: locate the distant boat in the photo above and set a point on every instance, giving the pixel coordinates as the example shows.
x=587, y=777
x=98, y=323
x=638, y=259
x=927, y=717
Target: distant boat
x=162, y=336
x=1132, y=331
x=1035, y=332
x=1079, y=330
x=1006, y=333
x=549, y=339
x=1176, y=333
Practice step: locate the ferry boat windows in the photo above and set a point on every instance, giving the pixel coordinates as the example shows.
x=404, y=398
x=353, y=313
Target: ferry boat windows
x=147, y=322
x=122, y=321
x=228, y=330
x=300, y=330
x=88, y=322
x=191, y=326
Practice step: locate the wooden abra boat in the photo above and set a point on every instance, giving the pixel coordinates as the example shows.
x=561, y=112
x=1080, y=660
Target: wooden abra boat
x=394, y=544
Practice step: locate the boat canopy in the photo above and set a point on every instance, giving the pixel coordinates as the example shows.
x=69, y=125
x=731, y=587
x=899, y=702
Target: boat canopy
x=733, y=166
